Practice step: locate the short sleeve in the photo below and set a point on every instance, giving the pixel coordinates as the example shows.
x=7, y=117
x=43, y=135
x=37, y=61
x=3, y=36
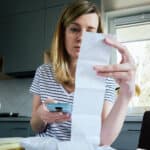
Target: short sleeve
x=35, y=86
x=110, y=94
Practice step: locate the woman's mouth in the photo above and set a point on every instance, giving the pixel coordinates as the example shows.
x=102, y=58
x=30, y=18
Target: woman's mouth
x=77, y=48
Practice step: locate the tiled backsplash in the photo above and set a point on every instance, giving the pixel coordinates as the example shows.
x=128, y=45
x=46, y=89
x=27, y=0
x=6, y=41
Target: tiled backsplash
x=15, y=96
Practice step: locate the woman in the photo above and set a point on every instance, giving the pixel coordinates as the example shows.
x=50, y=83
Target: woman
x=56, y=81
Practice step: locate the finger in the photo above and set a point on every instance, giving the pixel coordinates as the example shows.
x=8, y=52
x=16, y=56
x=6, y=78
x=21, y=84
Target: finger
x=44, y=107
x=50, y=100
x=52, y=116
x=63, y=118
x=126, y=76
x=59, y=117
x=114, y=68
x=121, y=48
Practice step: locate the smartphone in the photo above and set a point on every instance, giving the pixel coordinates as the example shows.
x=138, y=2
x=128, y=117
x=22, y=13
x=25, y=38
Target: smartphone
x=59, y=107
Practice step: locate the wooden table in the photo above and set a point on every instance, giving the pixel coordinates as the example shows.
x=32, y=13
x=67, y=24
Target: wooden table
x=11, y=143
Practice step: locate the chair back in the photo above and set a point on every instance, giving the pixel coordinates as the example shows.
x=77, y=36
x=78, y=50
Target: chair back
x=144, y=138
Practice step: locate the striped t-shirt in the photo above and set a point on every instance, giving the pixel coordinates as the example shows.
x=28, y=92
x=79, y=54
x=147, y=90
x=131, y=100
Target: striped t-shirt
x=45, y=85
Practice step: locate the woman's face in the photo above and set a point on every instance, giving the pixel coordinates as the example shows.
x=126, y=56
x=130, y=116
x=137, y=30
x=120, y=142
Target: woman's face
x=73, y=33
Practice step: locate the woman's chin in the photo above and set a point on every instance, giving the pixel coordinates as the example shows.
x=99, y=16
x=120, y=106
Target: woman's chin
x=75, y=58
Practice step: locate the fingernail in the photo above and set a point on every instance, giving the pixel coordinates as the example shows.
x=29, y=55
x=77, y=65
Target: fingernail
x=68, y=115
x=60, y=113
x=106, y=39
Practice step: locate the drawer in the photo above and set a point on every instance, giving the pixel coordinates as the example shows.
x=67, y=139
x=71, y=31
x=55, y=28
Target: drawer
x=14, y=129
x=128, y=137
x=131, y=127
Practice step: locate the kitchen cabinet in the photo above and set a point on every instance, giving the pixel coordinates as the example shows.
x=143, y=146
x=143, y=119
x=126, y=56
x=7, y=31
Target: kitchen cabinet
x=25, y=33
x=54, y=3
x=9, y=7
x=15, y=127
x=24, y=39
x=21, y=34
x=26, y=30
x=50, y=23
x=129, y=136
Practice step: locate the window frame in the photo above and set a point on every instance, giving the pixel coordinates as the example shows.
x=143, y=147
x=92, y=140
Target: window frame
x=118, y=17
x=125, y=17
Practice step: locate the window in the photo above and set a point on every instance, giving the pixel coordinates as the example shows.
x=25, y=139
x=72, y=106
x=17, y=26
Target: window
x=133, y=32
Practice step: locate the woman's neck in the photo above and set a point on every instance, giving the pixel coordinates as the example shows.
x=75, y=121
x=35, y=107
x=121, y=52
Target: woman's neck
x=72, y=68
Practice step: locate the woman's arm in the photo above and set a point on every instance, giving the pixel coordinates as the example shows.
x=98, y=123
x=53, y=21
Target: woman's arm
x=36, y=122
x=124, y=74
x=41, y=116
x=112, y=120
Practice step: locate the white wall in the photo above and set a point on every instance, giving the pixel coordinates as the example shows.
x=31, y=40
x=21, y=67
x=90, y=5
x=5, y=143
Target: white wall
x=15, y=96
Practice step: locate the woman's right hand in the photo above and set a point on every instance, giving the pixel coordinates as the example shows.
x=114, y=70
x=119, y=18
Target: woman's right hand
x=51, y=117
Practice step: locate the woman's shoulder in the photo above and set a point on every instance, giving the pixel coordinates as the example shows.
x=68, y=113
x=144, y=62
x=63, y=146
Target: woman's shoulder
x=44, y=68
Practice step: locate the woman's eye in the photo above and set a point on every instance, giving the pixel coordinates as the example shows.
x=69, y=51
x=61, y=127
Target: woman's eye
x=74, y=30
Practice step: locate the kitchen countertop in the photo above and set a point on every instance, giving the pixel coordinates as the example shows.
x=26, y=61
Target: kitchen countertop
x=136, y=118
x=19, y=118
x=11, y=143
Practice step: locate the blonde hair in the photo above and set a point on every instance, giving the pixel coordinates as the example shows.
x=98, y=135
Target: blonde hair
x=60, y=59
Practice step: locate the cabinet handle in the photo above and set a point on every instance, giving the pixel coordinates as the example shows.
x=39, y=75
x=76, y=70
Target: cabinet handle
x=19, y=128
x=133, y=130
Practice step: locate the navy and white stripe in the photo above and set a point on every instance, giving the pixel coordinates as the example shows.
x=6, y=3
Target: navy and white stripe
x=110, y=94
x=45, y=85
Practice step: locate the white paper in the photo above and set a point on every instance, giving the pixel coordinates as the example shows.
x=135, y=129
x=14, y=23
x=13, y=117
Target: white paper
x=40, y=143
x=90, y=89
x=49, y=143
x=79, y=144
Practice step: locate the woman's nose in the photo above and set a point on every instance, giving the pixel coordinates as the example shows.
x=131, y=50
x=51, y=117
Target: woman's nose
x=80, y=35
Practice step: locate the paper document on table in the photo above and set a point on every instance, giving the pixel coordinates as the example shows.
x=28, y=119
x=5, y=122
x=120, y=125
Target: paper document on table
x=81, y=145
x=89, y=89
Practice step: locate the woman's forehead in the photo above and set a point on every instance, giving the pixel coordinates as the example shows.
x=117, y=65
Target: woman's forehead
x=90, y=20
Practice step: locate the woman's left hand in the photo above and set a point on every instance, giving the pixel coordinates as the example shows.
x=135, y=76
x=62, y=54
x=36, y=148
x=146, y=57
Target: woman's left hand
x=123, y=73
